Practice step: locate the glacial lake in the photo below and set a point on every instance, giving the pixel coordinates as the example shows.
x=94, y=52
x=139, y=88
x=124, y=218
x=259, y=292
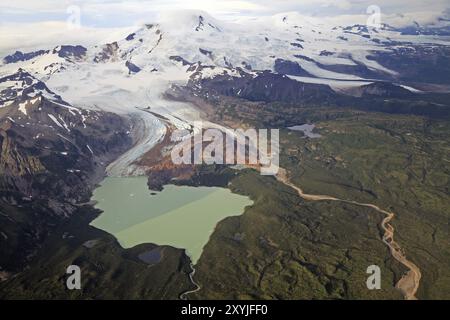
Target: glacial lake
x=307, y=130
x=179, y=216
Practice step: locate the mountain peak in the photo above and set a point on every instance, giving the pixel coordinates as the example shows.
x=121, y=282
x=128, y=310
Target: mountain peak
x=21, y=86
x=189, y=20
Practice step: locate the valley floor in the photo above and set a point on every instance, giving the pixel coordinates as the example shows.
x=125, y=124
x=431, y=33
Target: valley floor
x=285, y=246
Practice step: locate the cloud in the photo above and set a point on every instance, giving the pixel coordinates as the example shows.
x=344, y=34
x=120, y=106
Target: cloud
x=32, y=23
x=132, y=10
x=46, y=35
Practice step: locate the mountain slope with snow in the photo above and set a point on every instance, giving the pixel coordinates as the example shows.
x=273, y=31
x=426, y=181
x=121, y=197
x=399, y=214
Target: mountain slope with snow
x=164, y=50
x=71, y=113
x=131, y=75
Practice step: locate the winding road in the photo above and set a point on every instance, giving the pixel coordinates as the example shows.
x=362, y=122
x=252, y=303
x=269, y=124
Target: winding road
x=149, y=136
x=409, y=283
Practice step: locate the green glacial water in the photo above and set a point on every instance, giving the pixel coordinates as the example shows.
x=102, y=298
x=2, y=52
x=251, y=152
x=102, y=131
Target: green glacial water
x=182, y=217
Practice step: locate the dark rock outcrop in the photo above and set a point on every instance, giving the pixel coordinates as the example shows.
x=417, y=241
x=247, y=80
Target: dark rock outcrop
x=109, y=52
x=417, y=63
x=130, y=36
x=290, y=68
x=265, y=86
x=51, y=157
x=27, y=87
x=206, y=52
x=20, y=56
x=180, y=59
x=382, y=89
x=71, y=52
x=132, y=68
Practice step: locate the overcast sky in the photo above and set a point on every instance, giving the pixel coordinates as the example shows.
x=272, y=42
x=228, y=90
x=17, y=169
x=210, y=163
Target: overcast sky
x=117, y=13
x=32, y=24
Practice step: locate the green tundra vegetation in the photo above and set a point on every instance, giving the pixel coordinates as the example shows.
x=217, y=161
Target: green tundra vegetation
x=288, y=248
x=107, y=270
x=283, y=247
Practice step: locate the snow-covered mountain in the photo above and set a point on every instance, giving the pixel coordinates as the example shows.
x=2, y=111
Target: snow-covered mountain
x=133, y=73
x=166, y=51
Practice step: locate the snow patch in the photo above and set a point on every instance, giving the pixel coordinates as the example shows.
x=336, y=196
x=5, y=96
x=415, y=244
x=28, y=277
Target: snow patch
x=55, y=121
x=90, y=149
